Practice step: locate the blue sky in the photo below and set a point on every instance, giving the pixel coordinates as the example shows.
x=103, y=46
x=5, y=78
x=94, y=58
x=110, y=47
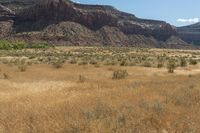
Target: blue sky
x=175, y=12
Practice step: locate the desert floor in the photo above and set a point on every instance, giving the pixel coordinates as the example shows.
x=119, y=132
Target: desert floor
x=85, y=98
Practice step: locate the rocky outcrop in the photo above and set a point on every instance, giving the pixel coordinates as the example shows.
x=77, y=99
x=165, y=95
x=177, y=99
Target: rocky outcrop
x=4, y=11
x=93, y=17
x=68, y=23
x=17, y=5
x=190, y=34
x=6, y=22
x=5, y=28
x=112, y=36
x=70, y=33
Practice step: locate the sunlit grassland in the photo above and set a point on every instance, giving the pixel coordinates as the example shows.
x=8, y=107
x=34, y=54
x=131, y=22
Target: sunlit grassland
x=99, y=90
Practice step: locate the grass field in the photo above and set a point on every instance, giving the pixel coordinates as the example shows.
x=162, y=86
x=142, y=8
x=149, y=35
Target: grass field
x=99, y=90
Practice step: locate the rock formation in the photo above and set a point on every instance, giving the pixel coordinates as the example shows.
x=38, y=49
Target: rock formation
x=68, y=23
x=190, y=34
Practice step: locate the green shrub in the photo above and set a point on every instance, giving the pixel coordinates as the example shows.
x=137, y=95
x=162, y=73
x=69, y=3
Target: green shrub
x=160, y=65
x=9, y=45
x=192, y=62
x=73, y=61
x=120, y=74
x=183, y=62
x=93, y=62
x=17, y=45
x=83, y=62
x=123, y=63
x=171, y=66
x=110, y=62
x=147, y=64
x=39, y=45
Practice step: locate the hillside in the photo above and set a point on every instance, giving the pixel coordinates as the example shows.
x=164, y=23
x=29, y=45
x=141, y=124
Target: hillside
x=190, y=34
x=67, y=23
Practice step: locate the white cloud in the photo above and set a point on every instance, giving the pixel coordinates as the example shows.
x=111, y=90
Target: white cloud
x=190, y=20
x=76, y=1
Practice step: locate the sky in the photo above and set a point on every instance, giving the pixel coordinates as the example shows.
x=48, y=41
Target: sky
x=175, y=12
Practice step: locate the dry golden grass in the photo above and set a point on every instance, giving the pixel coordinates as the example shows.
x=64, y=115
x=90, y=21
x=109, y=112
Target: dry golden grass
x=150, y=100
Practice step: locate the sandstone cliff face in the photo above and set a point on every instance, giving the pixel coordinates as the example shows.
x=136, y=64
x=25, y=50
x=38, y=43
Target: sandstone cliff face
x=190, y=34
x=68, y=23
x=94, y=18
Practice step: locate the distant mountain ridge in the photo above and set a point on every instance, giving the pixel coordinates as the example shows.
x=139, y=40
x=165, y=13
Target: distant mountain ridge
x=68, y=23
x=190, y=34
